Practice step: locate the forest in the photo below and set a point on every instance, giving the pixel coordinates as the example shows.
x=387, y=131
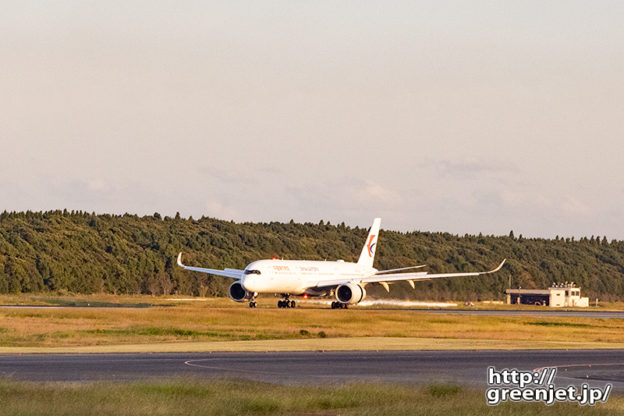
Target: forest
x=80, y=252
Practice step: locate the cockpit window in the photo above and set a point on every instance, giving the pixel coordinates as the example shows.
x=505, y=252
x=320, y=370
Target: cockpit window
x=252, y=271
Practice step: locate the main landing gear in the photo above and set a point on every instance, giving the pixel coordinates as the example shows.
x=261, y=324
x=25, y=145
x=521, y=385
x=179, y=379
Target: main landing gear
x=285, y=303
x=339, y=305
x=252, y=304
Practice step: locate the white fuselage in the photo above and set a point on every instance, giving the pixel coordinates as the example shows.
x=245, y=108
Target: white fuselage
x=297, y=276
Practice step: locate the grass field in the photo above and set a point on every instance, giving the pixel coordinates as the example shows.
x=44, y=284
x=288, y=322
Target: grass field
x=170, y=323
x=108, y=300
x=194, y=397
x=166, y=321
x=144, y=323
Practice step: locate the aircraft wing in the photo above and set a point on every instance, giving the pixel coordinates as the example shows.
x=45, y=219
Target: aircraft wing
x=384, y=279
x=423, y=275
x=402, y=268
x=233, y=273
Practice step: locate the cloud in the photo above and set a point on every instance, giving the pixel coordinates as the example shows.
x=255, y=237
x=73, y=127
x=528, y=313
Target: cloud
x=574, y=206
x=556, y=204
x=292, y=112
x=370, y=191
x=219, y=210
x=469, y=168
x=98, y=185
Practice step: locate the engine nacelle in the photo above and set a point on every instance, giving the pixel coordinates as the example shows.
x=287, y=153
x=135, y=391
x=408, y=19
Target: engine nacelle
x=351, y=293
x=238, y=293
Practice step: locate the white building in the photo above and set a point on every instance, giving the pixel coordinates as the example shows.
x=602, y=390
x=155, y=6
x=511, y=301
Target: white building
x=556, y=296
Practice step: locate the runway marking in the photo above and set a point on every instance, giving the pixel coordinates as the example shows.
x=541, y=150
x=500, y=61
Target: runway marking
x=589, y=365
x=191, y=363
x=584, y=365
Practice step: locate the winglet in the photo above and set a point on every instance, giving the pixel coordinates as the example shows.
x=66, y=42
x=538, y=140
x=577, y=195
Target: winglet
x=500, y=266
x=233, y=273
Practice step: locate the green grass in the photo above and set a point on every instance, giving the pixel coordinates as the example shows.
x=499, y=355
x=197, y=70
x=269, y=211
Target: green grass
x=231, y=397
x=213, y=320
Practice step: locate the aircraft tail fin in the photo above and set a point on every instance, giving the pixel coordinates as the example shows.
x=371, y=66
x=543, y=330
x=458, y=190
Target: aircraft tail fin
x=368, y=251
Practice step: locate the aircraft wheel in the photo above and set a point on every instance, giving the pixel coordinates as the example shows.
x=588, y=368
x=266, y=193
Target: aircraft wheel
x=292, y=303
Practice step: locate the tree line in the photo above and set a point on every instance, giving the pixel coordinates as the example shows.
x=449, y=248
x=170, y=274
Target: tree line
x=80, y=252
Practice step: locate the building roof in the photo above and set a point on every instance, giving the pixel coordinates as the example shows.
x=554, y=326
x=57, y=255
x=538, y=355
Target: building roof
x=529, y=291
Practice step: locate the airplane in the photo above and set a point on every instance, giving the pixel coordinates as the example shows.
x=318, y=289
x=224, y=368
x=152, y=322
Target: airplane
x=344, y=280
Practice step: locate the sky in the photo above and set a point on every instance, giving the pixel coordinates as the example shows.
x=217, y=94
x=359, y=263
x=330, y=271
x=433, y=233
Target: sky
x=451, y=116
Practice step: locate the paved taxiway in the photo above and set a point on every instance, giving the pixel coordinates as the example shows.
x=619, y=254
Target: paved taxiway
x=597, y=367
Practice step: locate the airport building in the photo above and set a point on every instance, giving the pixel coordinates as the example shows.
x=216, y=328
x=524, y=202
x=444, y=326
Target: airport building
x=556, y=296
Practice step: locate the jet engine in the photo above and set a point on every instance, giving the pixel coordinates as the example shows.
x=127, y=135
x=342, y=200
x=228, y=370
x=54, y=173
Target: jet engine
x=238, y=293
x=351, y=293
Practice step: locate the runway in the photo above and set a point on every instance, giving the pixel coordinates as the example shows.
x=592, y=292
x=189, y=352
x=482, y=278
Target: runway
x=597, y=367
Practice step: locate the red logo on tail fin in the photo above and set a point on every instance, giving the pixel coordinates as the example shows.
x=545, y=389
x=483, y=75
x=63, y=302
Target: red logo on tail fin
x=371, y=246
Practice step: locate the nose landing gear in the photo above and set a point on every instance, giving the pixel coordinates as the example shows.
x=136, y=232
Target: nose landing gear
x=252, y=301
